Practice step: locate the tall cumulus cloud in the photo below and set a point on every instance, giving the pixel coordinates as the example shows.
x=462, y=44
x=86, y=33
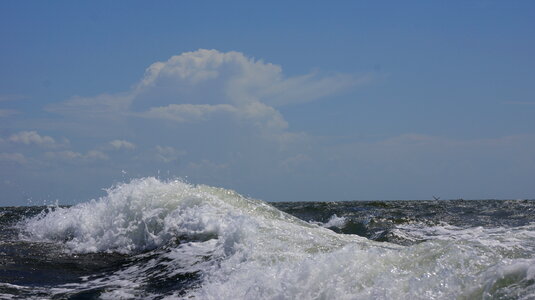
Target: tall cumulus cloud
x=197, y=86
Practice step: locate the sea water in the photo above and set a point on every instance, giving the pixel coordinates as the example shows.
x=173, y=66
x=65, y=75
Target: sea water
x=153, y=239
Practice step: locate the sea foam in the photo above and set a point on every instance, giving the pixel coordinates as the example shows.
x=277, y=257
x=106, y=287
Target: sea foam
x=246, y=249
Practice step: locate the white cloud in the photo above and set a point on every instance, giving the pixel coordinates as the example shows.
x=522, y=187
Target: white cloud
x=259, y=114
x=241, y=78
x=96, y=155
x=168, y=154
x=91, y=155
x=214, y=82
x=192, y=68
x=32, y=137
x=122, y=144
x=13, y=157
x=200, y=85
x=309, y=87
x=187, y=112
x=64, y=155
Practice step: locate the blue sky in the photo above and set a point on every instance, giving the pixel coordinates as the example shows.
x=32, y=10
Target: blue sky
x=308, y=100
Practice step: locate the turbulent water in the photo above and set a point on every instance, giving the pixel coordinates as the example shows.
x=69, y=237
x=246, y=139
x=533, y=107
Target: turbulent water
x=152, y=239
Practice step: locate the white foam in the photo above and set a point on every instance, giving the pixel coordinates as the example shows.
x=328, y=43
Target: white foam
x=143, y=214
x=334, y=221
x=518, y=240
x=495, y=282
x=246, y=249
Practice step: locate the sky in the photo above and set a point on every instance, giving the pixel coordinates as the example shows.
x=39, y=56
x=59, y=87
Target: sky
x=278, y=100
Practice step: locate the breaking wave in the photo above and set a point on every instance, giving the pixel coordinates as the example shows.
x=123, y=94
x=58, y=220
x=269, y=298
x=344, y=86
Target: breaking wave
x=194, y=241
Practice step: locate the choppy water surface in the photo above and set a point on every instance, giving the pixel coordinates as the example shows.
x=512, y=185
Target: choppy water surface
x=150, y=239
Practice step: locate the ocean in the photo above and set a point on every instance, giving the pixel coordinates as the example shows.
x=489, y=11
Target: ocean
x=156, y=239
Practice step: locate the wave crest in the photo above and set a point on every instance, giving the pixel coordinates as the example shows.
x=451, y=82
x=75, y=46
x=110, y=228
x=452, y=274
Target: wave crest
x=141, y=215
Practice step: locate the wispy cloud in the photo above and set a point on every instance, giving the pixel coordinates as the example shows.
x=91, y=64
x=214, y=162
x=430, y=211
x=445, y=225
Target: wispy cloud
x=72, y=156
x=122, y=144
x=188, y=112
x=32, y=138
x=18, y=158
x=168, y=154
